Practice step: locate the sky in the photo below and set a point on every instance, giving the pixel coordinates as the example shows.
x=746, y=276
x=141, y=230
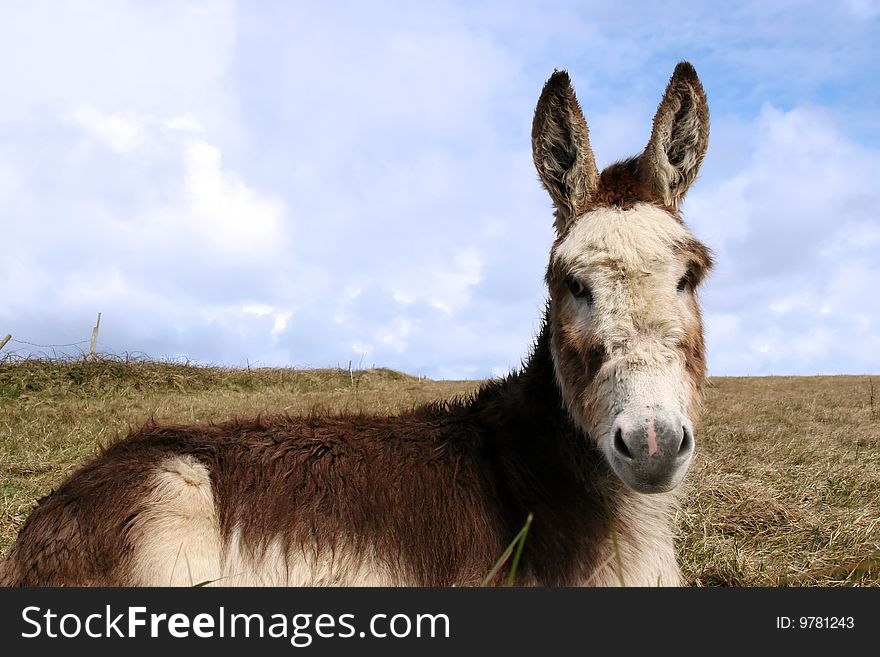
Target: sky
x=311, y=184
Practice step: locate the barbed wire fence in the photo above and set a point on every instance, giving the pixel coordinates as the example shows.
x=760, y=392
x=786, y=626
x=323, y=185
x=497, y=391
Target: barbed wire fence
x=17, y=350
x=13, y=352
x=23, y=351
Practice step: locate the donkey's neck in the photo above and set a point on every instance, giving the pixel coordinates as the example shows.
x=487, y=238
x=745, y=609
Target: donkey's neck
x=541, y=463
x=525, y=411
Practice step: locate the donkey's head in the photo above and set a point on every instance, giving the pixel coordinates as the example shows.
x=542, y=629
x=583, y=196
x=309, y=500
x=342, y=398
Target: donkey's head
x=626, y=331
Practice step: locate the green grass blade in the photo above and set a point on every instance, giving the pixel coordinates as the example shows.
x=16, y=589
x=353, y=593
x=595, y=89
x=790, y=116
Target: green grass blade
x=507, y=552
x=519, y=548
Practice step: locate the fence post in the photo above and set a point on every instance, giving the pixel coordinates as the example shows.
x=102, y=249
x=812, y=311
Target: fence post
x=5, y=340
x=91, y=355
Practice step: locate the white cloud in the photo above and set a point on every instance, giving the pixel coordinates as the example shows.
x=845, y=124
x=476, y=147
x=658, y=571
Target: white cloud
x=101, y=241
x=225, y=212
x=795, y=234
x=120, y=133
x=280, y=317
x=446, y=287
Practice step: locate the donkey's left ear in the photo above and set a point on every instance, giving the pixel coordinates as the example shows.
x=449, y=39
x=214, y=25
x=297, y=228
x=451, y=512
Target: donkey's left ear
x=679, y=138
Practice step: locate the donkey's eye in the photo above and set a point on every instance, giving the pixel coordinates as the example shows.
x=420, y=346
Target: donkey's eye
x=578, y=290
x=689, y=280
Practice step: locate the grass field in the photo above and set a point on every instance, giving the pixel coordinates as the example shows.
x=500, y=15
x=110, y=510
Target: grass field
x=785, y=488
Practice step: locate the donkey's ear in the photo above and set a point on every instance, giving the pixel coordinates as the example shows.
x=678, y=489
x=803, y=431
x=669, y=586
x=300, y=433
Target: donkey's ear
x=561, y=149
x=679, y=138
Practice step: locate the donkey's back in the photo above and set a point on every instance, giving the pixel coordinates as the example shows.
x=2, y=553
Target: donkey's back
x=350, y=500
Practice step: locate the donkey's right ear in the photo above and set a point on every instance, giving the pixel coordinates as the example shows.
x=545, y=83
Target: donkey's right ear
x=561, y=150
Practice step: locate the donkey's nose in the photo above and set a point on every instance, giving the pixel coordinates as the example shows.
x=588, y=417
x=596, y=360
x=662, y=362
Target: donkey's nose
x=653, y=439
x=651, y=448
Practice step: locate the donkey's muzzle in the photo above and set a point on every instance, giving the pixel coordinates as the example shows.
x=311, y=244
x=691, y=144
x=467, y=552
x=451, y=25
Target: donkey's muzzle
x=651, y=448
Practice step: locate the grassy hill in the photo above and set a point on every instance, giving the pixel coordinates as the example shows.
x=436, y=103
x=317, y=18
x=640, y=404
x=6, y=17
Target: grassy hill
x=784, y=490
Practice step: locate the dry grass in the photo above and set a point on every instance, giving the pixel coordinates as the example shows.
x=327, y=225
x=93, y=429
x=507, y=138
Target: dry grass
x=786, y=486
x=785, y=489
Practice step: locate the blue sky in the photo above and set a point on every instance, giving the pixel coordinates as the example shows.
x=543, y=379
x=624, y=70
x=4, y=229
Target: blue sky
x=302, y=185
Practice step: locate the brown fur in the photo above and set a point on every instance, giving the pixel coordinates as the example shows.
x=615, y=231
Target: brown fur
x=620, y=187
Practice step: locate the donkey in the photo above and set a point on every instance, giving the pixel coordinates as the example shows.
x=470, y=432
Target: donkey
x=592, y=435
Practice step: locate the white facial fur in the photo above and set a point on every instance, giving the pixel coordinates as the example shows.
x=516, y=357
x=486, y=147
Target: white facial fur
x=630, y=262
